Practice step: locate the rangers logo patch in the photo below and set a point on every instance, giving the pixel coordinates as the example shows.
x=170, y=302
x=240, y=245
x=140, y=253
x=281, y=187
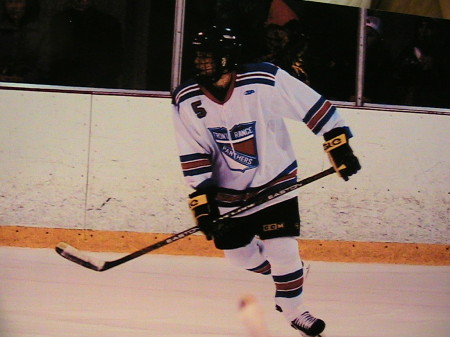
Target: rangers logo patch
x=238, y=145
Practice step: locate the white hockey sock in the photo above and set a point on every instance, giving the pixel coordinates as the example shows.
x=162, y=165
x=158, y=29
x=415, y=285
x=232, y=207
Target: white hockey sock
x=250, y=257
x=287, y=273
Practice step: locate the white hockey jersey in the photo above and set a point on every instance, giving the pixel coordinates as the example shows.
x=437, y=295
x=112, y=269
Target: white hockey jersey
x=241, y=145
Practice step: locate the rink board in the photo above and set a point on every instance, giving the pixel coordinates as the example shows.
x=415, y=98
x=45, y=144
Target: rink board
x=197, y=245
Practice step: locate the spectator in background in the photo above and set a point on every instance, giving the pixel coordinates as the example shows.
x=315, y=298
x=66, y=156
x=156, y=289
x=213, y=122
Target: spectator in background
x=378, y=65
x=23, y=45
x=420, y=68
x=285, y=42
x=270, y=30
x=330, y=55
x=86, y=47
x=314, y=42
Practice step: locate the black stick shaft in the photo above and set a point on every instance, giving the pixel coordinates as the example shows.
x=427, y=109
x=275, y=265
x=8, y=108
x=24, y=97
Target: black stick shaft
x=258, y=201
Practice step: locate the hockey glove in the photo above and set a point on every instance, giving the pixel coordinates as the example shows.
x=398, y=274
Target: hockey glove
x=205, y=210
x=340, y=153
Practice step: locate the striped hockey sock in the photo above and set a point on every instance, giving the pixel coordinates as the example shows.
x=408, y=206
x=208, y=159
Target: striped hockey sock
x=289, y=285
x=263, y=268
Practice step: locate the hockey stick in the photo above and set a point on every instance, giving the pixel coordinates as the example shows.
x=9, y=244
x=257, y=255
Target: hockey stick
x=74, y=255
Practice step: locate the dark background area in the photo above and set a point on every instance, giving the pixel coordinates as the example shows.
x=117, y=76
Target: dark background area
x=324, y=43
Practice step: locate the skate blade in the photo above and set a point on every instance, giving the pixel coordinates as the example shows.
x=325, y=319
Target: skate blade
x=320, y=335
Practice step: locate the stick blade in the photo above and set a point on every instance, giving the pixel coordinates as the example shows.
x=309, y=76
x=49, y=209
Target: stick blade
x=72, y=254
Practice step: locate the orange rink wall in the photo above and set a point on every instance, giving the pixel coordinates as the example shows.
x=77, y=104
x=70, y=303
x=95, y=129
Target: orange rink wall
x=196, y=245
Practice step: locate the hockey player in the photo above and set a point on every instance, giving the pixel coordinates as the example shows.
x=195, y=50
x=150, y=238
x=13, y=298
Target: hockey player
x=234, y=145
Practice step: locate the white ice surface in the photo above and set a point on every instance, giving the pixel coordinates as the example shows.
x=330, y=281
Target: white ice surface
x=44, y=295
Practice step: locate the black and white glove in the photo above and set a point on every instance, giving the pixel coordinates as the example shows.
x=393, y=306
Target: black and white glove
x=205, y=211
x=340, y=153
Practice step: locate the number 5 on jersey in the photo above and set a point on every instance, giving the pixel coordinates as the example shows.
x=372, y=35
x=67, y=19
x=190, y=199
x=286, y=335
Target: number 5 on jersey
x=199, y=110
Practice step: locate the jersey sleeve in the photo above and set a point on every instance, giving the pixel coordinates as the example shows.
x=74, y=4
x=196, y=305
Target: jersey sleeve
x=195, y=158
x=296, y=100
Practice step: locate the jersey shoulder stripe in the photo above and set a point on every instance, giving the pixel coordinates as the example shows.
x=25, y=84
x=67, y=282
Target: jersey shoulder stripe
x=259, y=73
x=264, y=67
x=262, y=73
x=319, y=114
x=185, y=91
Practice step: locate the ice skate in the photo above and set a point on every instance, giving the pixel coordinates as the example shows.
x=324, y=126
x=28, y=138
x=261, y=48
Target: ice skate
x=308, y=325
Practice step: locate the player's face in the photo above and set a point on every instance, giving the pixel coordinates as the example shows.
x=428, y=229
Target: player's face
x=204, y=63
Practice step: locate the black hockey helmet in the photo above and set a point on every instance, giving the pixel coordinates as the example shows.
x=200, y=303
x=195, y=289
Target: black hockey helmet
x=224, y=47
